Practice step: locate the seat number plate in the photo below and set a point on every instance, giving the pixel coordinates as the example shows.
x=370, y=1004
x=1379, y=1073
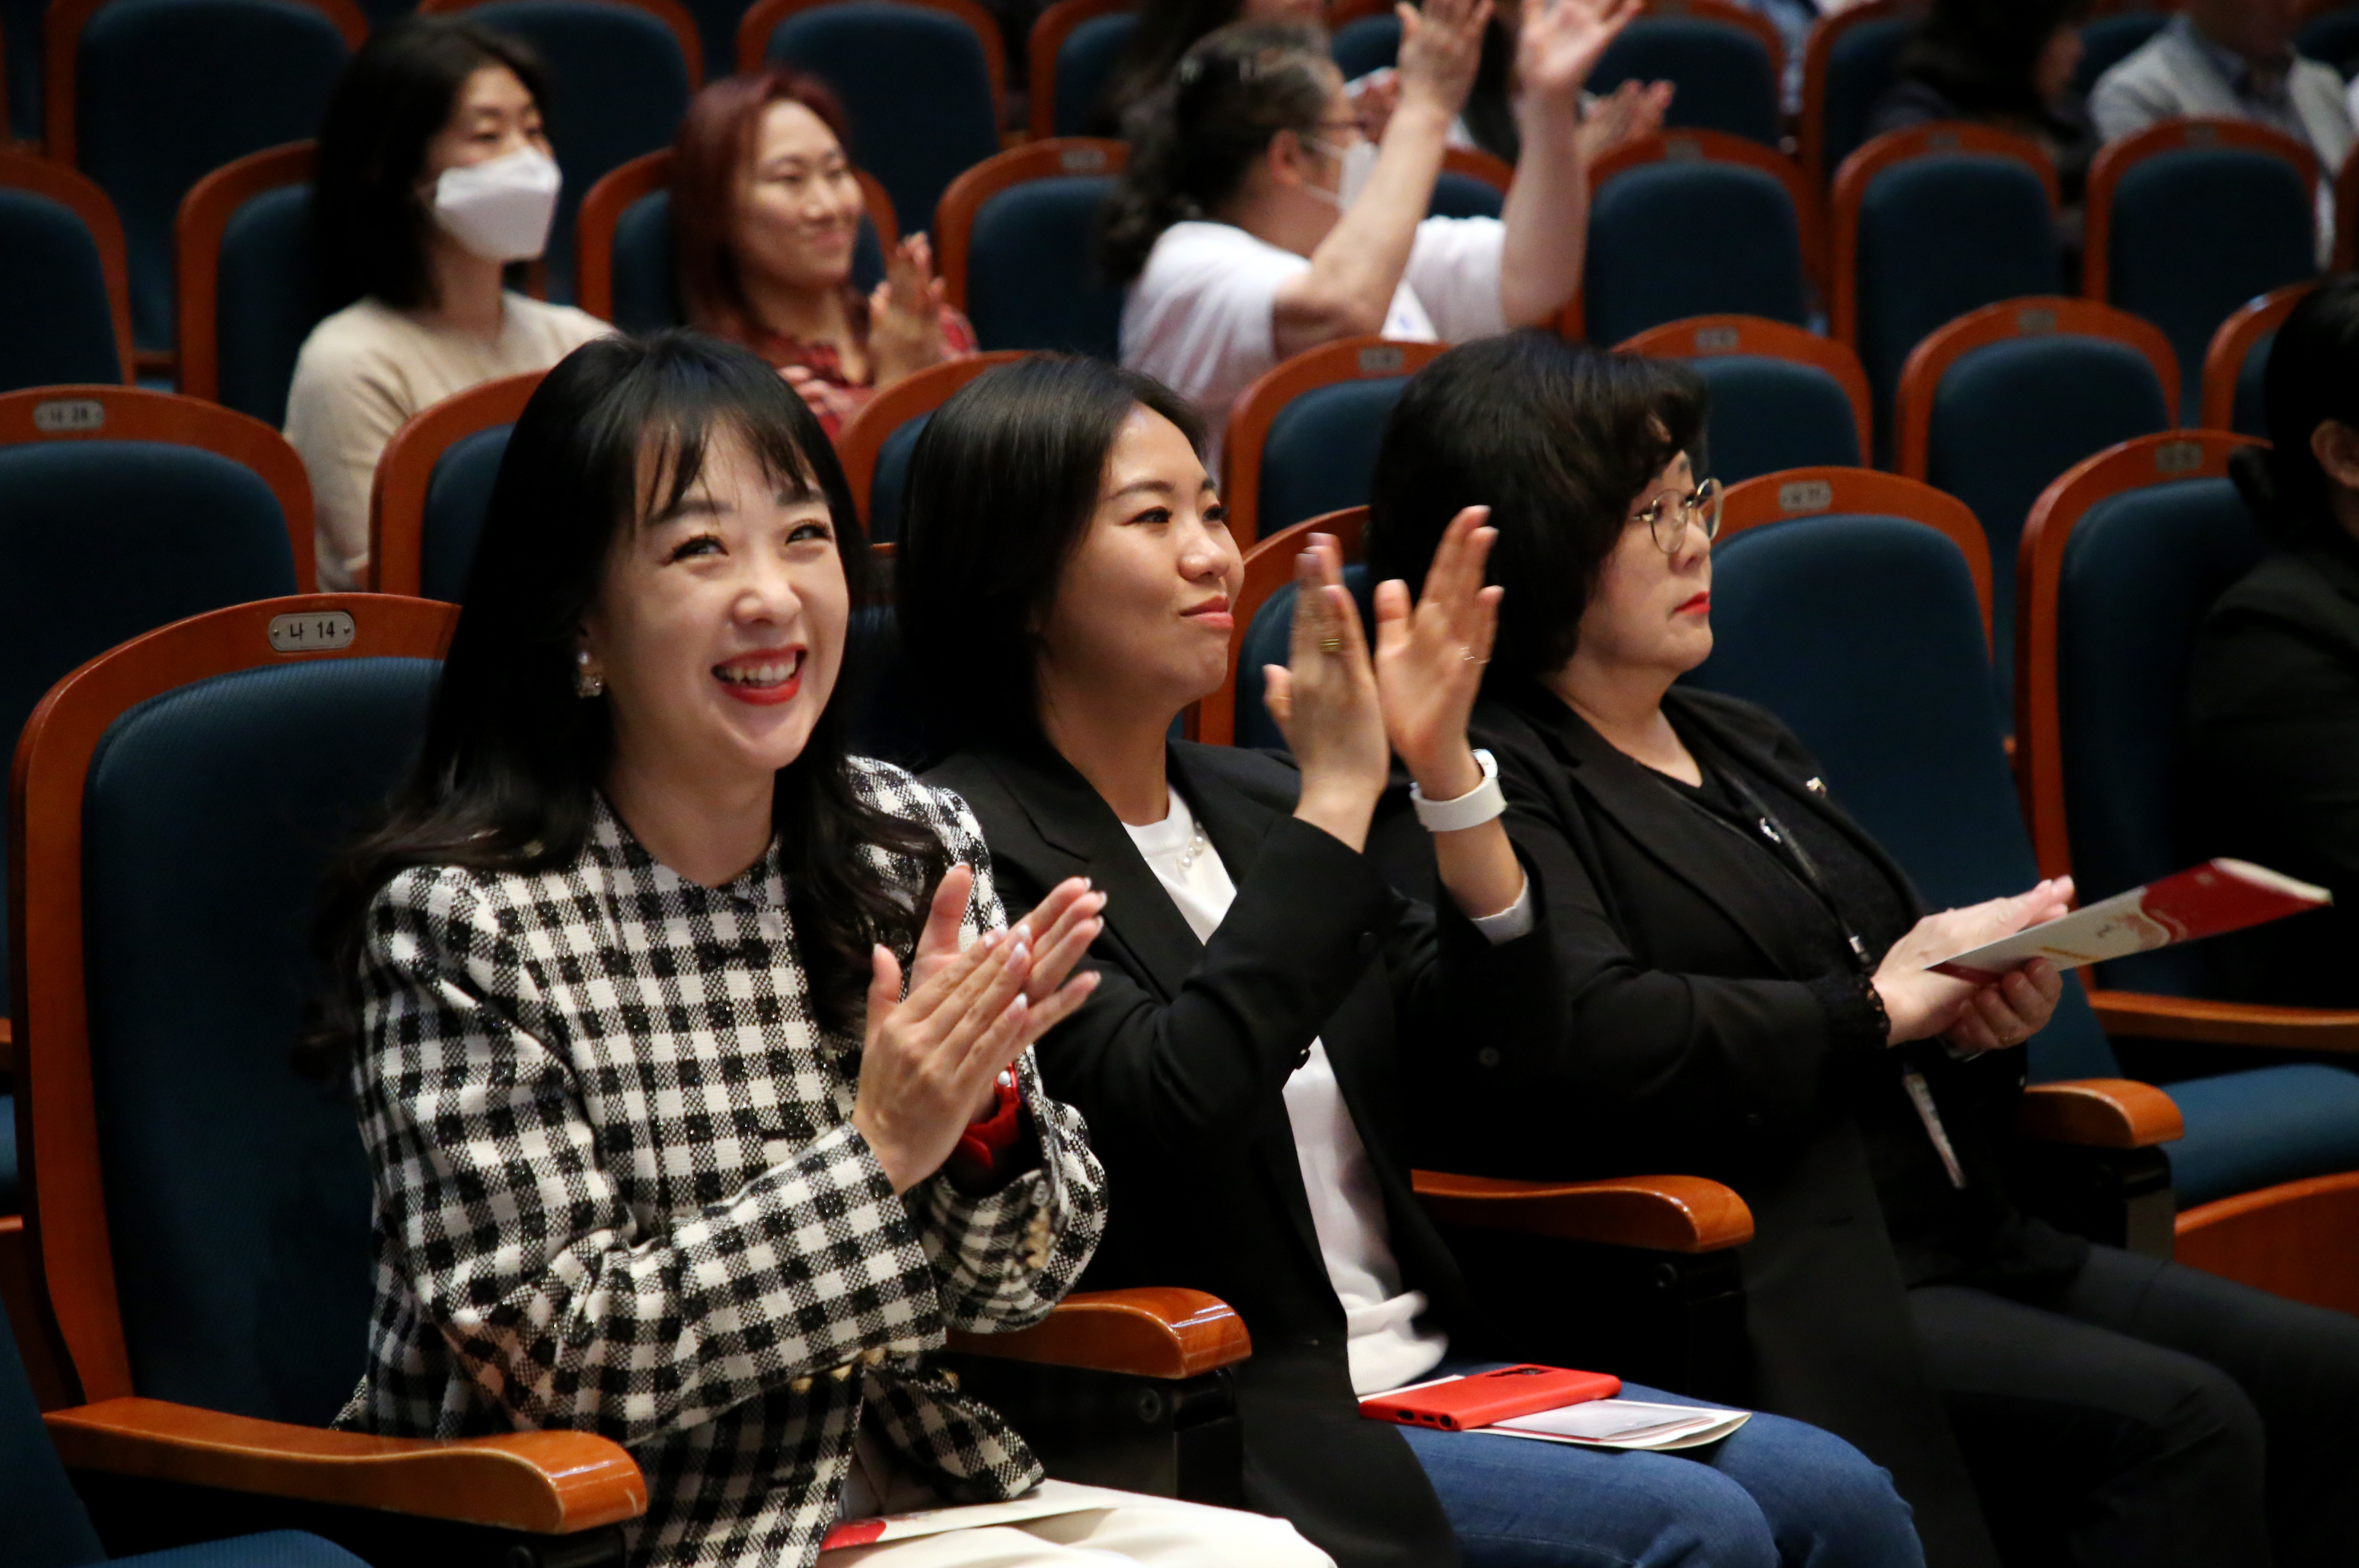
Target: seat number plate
x=1805, y=495
x=320, y=632
x=65, y=415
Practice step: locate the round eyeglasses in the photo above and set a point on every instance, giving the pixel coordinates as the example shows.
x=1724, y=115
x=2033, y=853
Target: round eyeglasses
x=1669, y=517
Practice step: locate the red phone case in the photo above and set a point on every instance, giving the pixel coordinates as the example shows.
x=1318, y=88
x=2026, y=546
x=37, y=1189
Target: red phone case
x=1482, y=1397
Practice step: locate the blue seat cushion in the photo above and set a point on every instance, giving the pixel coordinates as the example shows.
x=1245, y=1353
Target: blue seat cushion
x=2253, y=1130
x=10, y=1201
x=171, y=89
x=57, y=324
x=44, y=1524
x=1640, y=273
x=889, y=481
x=457, y=494
x=277, y=1549
x=1320, y=454
x=1366, y=44
x=237, y=1191
x=2250, y=414
x=1032, y=279
x=1859, y=68
x=1770, y=414
x=1457, y=195
x=1724, y=77
x=1085, y=61
x=647, y=282
x=268, y=301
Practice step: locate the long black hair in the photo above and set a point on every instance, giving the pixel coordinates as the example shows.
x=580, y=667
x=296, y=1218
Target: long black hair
x=1165, y=29
x=1984, y=55
x=1557, y=440
x=1002, y=486
x=368, y=225
x=1195, y=136
x=2313, y=377
x=616, y=433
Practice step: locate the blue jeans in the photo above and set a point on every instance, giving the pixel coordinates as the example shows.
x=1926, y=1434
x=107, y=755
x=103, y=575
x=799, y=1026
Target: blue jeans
x=1775, y=1492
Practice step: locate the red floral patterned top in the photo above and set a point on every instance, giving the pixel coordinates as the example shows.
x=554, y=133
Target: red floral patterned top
x=833, y=396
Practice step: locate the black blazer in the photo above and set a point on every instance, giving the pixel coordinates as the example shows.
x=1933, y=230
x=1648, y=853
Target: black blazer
x=1706, y=1030
x=2273, y=752
x=1180, y=1061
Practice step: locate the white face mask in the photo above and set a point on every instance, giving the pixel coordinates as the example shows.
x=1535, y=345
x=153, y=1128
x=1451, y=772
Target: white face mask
x=1359, y=161
x=500, y=210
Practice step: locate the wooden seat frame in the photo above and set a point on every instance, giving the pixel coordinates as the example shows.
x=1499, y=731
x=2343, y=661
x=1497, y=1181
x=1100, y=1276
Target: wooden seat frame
x=2223, y=360
x=670, y=13
x=1258, y=407
x=1716, y=337
x=1819, y=492
x=1050, y=29
x=1817, y=57
x=2119, y=158
x=963, y=200
x=82, y=195
x=204, y=219
x=2036, y=316
x=865, y=434
x=405, y=471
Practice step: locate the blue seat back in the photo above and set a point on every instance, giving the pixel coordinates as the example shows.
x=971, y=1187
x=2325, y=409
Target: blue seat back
x=1771, y=413
x=1638, y=275
x=2197, y=232
x=1940, y=236
x=1321, y=455
x=890, y=479
x=1864, y=634
x=2333, y=39
x=1366, y=44
x=20, y=35
x=57, y=325
x=2106, y=41
x=916, y=87
x=618, y=83
x=647, y=278
x=1084, y=62
x=2250, y=415
x=1860, y=67
x=266, y=302
x=457, y=494
x=1267, y=641
x=1459, y=195
x=2138, y=574
x=237, y=1191
x=887, y=718
x=716, y=29
x=2009, y=419
x=168, y=91
x=1724, y=78
x=102, y=541
x=45, y=1524
x=1032, y=279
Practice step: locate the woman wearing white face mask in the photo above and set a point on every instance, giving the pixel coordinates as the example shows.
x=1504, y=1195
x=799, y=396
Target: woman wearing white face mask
x=434, y=176
x=1256, y=221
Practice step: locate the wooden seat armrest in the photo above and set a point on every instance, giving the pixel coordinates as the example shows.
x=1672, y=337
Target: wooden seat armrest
x=551, y=1483
x=1156, y=1331
x=2144, y=1016
x=1662, y=1214
x=2099, y=1113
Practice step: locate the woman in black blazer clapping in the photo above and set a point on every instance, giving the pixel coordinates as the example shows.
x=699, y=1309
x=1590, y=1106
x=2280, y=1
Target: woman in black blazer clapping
x=1746, y=995
x=1277, y=1035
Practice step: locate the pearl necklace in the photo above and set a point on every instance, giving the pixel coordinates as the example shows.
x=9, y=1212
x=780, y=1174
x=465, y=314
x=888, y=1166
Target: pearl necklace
x=1195, y=847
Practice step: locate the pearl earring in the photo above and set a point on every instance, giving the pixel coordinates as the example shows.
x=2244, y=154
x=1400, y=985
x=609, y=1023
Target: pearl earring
x=587, y=683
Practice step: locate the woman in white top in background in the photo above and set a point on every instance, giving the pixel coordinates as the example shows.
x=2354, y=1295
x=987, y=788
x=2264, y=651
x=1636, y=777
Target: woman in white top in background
x=1256, y=221
x=434, y=177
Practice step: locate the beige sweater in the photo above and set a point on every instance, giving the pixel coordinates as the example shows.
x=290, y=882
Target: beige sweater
x=366, y=369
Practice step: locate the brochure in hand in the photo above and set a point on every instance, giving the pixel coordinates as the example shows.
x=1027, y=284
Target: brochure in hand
x=2203, y=900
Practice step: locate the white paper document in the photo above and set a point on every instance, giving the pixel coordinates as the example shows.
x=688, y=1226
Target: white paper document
x=1625, y=1424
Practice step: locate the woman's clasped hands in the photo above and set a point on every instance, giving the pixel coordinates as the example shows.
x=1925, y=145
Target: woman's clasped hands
x=931, y=1058
x=1921, y=1002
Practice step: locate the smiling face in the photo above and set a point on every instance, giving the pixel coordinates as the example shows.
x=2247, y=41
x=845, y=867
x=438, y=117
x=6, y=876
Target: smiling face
x=1142, y=613
x=799, y=203
x=1652, y=612
x=491, y=116
x=719, y=627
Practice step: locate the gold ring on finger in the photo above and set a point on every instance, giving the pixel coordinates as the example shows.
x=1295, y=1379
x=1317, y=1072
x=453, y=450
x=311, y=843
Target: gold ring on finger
x=1330, y=645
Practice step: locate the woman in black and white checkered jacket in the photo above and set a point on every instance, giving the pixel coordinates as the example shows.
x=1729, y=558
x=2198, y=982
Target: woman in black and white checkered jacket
x=662, y=1150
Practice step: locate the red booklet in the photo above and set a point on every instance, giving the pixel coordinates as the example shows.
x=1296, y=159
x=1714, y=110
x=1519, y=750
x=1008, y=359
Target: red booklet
x=1460, y=1405
x=2204, y=901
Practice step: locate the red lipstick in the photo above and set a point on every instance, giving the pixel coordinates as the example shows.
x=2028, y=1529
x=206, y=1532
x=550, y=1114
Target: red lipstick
x=766, y=678
x=1700, y=605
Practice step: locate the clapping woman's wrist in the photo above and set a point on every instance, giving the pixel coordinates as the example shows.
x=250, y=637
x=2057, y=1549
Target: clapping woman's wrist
x=1448, y=773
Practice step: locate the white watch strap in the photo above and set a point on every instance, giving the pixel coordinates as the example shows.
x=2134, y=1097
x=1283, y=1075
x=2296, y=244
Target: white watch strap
x=1474, y=808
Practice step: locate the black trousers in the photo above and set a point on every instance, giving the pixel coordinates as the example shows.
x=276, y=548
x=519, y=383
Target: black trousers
x=2146, y=1415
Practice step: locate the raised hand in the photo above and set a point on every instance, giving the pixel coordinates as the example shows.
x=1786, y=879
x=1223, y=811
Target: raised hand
x=905, y=314
x=1440, y=48
x=1561, y=40
x=1922, y=1003
x=1430, y=660
x=1631, y=113
x=1324, y=699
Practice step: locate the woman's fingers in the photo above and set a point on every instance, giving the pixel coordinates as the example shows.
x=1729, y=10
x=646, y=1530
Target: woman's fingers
x=978, y=997
x=884, y=987
x=1277, y=693
x=1053, y=960
x=1063, y=1003
x=945, y=914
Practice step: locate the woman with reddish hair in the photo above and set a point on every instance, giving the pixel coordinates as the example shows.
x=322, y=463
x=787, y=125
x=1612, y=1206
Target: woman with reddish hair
x=765, y=209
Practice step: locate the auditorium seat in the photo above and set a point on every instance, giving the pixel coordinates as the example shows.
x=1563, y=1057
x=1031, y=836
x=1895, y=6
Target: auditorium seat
x=2189, y=219
x=1472, y=184
x=1015, y=241
x=122, y=510
x=2106, y=41
x=1237, y=714
x=875, y=443
x=65, y=304
x=1302, y=438
x=1365, y=43
x=621, y=73
x=2332, y=37
x=922, y=80
x=148, y=96
x=1781, y=398
x=1726, y=64
x=1073, y=47
x=249, y=294
x=1695, y=223
x=2238, y=359
x=1995, y=406
x=2121, y=559
x=1846, y=65
x=1927, y=224
x=433, y=486
x=625, y=270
